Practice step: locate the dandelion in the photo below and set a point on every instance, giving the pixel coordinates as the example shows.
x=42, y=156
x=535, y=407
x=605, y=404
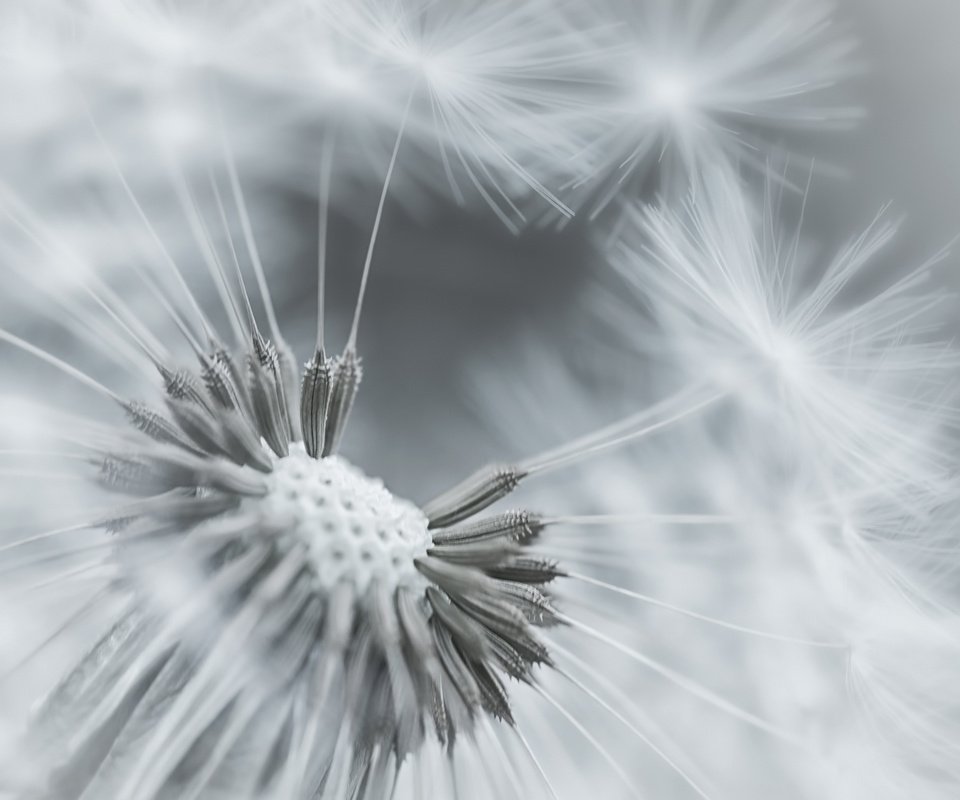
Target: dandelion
x=825, y=356
x=488, y=87
x=204, y=595
x=744, y=305
x=271, y=620
x=695, y=83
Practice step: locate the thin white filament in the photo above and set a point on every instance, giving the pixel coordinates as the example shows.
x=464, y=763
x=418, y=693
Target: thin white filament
x=684, y=682
x=218, y=199
x=164, y=252
x=581, y=728
x=629, y=703
x=248, y=236
x=323, y=220
x=503, y=760
x=37, y=233
x=703, y=617
x=536, y=762
x=635, y=731
x=619, y=433
x=59, y=364
x=628, y=519
x=40, y=537
x=352, y=341
x=201, y=235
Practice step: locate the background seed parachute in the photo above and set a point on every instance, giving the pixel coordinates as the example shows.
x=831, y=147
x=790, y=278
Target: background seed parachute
x=523, y=399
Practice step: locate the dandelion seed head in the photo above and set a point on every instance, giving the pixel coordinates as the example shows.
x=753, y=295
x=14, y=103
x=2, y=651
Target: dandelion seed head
x=697, y=83
x=753, y=310
x=492, y=107
x=289, y=574
x=256, y=616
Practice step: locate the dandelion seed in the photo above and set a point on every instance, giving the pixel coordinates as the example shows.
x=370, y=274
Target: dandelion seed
x=740, y=302
x=492, y=89
x=696, y=83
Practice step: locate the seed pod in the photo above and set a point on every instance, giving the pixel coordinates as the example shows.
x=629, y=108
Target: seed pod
x=314, y=402
x=267, y=396
x=346, y=380
x=482, y=489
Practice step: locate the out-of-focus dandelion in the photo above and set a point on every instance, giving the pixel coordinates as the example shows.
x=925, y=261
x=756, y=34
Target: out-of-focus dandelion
x=490, y=89
x=845, y=382
x=697, y=81
x=864, y=383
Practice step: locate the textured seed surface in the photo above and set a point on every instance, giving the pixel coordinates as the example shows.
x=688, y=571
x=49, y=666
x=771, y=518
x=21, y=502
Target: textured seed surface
x=355, y=528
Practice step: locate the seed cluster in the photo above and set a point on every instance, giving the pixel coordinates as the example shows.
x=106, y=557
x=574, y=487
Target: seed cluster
x=355, y=530
x=330, y=627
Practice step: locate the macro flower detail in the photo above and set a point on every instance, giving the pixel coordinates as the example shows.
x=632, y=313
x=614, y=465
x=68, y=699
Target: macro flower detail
x=246, y=550
x=284, y=624
x=385, y=621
